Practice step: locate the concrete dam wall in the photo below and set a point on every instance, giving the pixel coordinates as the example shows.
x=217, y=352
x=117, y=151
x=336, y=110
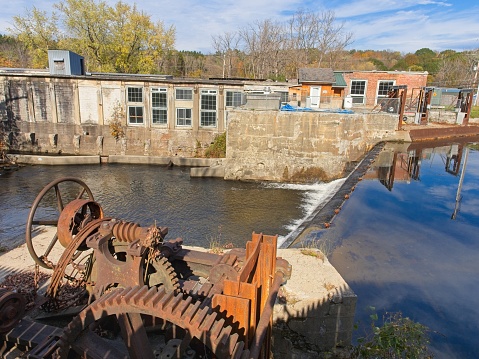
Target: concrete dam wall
x=300, y=146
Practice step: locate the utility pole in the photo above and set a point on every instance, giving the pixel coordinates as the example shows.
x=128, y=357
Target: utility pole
x=476, y=69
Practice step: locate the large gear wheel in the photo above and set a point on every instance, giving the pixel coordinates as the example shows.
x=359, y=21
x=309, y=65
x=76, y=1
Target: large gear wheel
x=198, y=324
x=160, y=272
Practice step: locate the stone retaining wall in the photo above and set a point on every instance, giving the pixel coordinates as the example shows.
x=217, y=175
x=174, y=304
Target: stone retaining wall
x=300, y=146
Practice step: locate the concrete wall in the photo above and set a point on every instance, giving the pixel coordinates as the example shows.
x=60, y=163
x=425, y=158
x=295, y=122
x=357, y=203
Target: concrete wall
x=71, y=115
x=300, y=146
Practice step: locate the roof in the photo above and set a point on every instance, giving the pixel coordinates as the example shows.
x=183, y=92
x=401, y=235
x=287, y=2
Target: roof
x=317, y=75
x=340, y=82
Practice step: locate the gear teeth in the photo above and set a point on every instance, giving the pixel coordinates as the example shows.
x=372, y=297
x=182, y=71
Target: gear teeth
x=236, y=347
x=199, y=317
x=238, y=350
x=149, y=295
x=246, y=354
x=188, y=315
x=157, y=298
x=175, y=301
x=216, y=330
x=182, y=307
x=139, y=294
x=208, y=322
x=165, y=300
x=225, y=336
x=127, y=298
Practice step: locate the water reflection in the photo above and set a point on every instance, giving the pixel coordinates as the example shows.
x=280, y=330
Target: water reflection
x=197, y=210
x=406, y=241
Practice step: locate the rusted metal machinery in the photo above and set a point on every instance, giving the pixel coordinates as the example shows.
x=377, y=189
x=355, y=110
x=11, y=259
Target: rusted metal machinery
x=139, y=295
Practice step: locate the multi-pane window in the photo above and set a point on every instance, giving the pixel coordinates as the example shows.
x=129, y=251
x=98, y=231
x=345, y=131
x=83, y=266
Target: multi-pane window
x=183, y=116
x=383, y=88
x=159, y=106
x=208, y=108
x=135, y=105
x=184, y=94
x=233, y=98
x=135, y=115
x=358, y=91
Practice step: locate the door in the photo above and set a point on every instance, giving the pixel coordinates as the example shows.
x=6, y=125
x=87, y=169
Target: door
x=314, y=94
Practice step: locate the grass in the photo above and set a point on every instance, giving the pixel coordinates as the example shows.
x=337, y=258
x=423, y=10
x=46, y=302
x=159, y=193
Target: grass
x=216, y=244
x=317, y=248
x=475, y=112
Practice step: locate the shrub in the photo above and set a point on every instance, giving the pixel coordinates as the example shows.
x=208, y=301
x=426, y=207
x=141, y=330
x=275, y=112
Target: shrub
x=218, y=148
x=398, y=337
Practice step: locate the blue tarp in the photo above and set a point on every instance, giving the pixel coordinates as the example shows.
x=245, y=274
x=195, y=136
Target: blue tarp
x=288, y=107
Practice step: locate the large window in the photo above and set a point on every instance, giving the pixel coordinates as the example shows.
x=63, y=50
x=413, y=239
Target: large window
x=208, y=108
x=233, y=98
x=383, y=88
x=358, y=91
x=135, y=105
x=159, y=106
x=183, y=117
x=184, y=94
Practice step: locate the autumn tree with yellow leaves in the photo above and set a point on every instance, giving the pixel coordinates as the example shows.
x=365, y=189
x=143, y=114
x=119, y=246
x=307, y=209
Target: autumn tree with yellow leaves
x=117, y=38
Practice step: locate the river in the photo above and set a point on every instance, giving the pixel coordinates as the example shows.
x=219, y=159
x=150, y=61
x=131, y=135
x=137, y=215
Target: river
x=405, y=240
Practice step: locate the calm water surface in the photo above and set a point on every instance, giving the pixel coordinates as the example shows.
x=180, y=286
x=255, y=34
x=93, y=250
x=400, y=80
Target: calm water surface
x=399, y=248
x=197, y=210
x=395, y=241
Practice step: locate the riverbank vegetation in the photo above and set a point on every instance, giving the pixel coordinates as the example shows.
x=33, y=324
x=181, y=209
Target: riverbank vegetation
x=120, y=38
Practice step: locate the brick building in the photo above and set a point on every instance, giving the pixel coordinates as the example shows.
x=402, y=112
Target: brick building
x=366, y=88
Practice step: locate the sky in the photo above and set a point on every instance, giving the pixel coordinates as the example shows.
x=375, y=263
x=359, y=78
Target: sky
x=396, y=25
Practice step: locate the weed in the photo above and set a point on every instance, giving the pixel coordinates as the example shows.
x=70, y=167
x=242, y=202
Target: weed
x=218, y=148
x=117, y=129
x=216, y=243
x=398, y=337
x=317, y=248
x=3, y=249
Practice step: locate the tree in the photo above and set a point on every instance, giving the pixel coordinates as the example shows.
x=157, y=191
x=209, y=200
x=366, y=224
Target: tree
x=112, y=39
x=264, y=42
x=38, y=33
x=119, y=38
x=225, y=45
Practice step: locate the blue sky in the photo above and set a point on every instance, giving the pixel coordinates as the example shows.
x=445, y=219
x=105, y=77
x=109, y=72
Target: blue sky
x=398, y=25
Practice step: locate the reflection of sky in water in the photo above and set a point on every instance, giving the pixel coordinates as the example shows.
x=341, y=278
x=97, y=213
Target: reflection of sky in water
x=401, y=251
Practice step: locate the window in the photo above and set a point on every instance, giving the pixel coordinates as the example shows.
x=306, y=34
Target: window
x=284, y=96
x=135, y=114
x=59, y=64
x=208, y=108
x=135, y=94
x=184, y=94
x=358, y=91
x=135, y=105
x=233, y=98
x=383, y=88
x=159, y=106
x=183, y=117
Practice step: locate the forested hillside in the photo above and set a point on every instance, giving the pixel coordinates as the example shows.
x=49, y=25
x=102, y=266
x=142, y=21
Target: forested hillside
x=121, y=39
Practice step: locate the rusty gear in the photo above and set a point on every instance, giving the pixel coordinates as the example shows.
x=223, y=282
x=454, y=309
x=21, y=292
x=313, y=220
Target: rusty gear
x=196, y=321
x=12, y=308
x=159, y=271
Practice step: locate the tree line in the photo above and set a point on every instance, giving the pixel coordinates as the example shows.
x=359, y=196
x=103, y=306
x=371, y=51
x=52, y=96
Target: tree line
x=120, y=38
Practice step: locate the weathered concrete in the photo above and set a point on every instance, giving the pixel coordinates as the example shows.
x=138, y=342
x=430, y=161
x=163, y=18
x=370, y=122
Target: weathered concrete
x=55, y=160
x=300, y=146
x=316, y=303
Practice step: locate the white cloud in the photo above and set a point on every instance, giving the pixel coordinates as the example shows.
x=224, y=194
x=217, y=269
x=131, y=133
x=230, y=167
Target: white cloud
x=400, y=25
